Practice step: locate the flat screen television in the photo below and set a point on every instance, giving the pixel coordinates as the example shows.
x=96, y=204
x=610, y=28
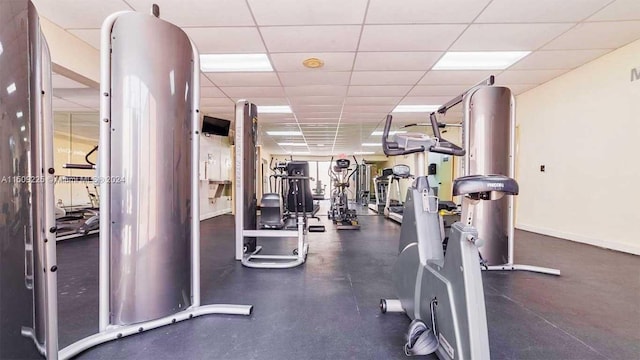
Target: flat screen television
x=215, y=126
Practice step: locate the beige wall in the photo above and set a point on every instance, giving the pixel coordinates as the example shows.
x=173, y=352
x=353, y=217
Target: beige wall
x=585, y=128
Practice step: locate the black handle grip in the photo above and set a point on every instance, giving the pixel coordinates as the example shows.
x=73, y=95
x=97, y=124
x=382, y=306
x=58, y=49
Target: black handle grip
x=447, y=148
x=79, y=166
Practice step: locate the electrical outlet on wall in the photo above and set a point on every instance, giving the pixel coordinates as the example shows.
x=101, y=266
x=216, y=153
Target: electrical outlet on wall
x=542, y=168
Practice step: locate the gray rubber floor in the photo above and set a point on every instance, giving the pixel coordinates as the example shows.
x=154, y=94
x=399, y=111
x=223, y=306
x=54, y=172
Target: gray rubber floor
x=328, y=308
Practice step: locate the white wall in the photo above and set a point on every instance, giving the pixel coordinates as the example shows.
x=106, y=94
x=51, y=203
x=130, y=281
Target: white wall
x=215, y=151
x=585, y=128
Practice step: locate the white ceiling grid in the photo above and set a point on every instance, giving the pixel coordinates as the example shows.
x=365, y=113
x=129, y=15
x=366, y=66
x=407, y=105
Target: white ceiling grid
x=377, y=53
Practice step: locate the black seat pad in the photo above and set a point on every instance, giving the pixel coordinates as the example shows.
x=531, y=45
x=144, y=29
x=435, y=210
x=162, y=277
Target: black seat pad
x=475, y=184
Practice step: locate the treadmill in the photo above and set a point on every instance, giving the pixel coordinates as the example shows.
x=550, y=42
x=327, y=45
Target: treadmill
x=393, y=208
x=381, y=189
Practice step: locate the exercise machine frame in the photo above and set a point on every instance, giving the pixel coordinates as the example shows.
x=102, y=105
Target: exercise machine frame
x=106, y=330
x=245, y=204
x=465, y=98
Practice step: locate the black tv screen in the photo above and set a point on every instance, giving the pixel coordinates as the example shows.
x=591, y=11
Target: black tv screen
x=215, y=126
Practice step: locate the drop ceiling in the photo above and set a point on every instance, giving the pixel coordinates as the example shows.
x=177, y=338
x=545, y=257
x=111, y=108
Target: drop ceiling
x=377, y=54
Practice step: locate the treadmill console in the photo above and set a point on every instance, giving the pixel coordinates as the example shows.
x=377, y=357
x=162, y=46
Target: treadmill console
x=401, y=171
x=343, y=164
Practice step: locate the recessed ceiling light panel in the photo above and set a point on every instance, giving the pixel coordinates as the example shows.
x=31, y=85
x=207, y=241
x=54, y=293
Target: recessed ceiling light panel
x=415, y=108
x=479, y=60
x=234, y=62
x=274, y=109
x=284, y=133
x=292, y=144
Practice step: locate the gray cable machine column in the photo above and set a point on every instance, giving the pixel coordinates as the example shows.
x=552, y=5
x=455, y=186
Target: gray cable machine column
x=489, y=138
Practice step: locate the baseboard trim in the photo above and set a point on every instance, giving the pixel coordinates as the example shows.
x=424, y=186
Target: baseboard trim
x=214, y=214
x=627, y=248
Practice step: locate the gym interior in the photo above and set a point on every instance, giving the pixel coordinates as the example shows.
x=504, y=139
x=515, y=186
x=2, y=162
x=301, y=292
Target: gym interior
x=281, y=179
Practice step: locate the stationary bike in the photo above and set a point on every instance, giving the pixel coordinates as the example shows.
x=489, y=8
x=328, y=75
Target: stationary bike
x=441, y=291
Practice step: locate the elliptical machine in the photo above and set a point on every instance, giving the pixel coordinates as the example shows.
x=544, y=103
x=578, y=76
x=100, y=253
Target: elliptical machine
x=342, y=216
x=441, y=290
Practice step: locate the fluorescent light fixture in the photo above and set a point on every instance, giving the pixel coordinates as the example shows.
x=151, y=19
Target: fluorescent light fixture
x=19, y=114
x=299, y=152
x=23, y=128
x=364, y=153
x=415, y=108
x=292, y=144
x=11, y=88
x=284, y=133
x=274, y=109
x=372, y=144
x=1, y=48
x=320, y=145
x=379, y=132
x=234, y=62
x=479, y=60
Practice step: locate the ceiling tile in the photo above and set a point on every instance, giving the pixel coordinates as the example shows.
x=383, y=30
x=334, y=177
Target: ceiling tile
x=78, y=14
x=253, y=91
x=519, y=89
x=425, y=100
x=314, y=78
x=385, y=77
x=198, y=12
x=209, y=102
x=316, y=90
x=372, y=100
x=64, y=105
x=367, y=109
x=557, y=59
x=90, y=36
x=317, y=100
x=296, y=12
x=455, y=77
x=90, y=102
x=396, y=60
x=597, y=35
x=300, y=109
x=311, y=38
x=63, y=82
x=244, y=79
x=204, y=81
x=392, y=90
x=619, y=10
x=479, y=37
x=211, y=92
x=220, y=109
x=293, y=61
x=437, y=90
x=408, y=37
x=371, y=117
x=513, y=77
x=269, y=101
x=318, y=115
x=539, y=11
x=421, y=11
x=218, y=40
